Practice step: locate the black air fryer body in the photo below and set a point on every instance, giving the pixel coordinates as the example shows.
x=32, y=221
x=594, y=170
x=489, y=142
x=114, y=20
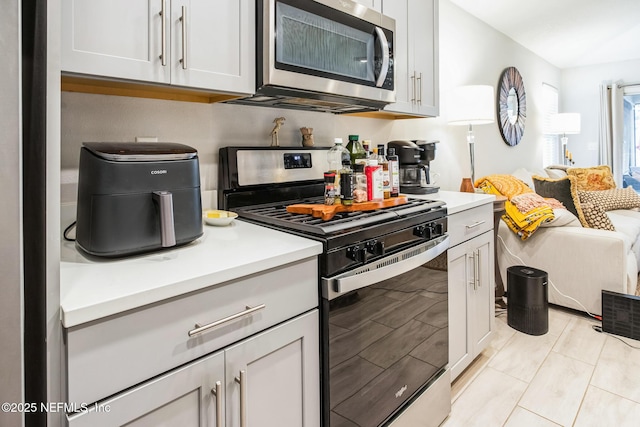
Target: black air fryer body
x=137, y=197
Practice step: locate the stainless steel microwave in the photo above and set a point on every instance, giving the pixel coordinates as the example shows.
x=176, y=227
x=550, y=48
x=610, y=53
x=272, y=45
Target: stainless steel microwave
x=329, y=55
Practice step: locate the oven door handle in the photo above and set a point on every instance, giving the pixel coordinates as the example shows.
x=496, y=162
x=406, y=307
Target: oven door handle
x=385, y=268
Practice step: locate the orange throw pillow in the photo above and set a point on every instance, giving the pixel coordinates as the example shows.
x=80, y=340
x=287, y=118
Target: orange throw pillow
x=594, y=178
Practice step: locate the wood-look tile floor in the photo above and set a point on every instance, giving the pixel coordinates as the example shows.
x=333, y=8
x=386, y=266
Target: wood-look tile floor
x=571, y=376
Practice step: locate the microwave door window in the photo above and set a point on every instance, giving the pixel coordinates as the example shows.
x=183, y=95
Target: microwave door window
x=328, y=48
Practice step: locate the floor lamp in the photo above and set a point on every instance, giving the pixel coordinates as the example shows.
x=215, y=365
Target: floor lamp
x=565, y=124
x=471, y=105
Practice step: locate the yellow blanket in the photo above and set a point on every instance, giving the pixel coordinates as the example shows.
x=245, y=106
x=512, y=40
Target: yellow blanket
x=523, y=224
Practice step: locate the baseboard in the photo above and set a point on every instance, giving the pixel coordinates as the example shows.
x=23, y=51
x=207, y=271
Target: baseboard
x=621, y=314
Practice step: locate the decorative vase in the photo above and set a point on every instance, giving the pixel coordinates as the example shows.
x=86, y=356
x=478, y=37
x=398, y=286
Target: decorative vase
x=466, y=186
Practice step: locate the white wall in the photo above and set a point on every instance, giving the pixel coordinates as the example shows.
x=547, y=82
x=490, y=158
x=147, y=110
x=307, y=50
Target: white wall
x=580, y=94
x=470, y=53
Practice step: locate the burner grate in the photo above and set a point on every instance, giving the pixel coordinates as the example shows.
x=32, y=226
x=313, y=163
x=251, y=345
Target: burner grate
x=277, y=215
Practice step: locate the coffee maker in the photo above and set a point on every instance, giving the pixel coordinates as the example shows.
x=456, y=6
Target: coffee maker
x=413, y=159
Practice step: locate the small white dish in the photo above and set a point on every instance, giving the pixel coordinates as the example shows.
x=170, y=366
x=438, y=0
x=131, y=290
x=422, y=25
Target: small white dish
x=218, y=217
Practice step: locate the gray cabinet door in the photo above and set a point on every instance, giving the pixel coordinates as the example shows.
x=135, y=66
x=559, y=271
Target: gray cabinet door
x=182, y=397
x=116, y=38
x=273, y=378
x=415, y=56
x=214, y=46
x=192, y=43
x=471, y=300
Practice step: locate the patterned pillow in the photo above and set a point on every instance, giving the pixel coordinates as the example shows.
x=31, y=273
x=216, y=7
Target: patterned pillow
x=608, y=200
x=563, y=190
x=596, y=217
x=595, y=178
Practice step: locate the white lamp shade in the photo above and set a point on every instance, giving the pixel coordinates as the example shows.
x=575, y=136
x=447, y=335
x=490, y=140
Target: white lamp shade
x=564, y=123
x=472, y=105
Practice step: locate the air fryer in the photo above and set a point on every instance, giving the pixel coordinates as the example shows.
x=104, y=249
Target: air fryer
x=136, y=197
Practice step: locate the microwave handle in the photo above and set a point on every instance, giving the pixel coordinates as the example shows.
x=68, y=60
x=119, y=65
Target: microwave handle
x=384, y=44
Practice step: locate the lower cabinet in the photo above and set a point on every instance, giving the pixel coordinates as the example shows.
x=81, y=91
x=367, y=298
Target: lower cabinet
x=269, y=379
x=471, y=299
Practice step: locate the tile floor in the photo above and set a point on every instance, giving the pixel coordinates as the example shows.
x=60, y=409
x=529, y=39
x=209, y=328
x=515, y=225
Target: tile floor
x=571, y=376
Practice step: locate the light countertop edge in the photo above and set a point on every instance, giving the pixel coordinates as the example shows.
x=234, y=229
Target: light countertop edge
x=91, y=289
x=458, y=201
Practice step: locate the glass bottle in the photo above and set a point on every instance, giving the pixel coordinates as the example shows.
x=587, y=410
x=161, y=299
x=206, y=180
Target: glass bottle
x=382, y=161
x=394, y=173
x=346, y=183
x=373, y=171
x=335, y=156
x=356, y=150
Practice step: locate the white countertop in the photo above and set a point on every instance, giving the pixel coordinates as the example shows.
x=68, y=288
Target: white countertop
x=457, y=201
x=93, y=289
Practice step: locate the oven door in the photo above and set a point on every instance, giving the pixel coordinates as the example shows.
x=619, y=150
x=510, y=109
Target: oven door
x=386, y=337
x=329, y=46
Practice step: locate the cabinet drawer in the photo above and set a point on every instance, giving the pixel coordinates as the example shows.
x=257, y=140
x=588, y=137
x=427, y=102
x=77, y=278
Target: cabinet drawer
x=107, y=356
x=470, y=223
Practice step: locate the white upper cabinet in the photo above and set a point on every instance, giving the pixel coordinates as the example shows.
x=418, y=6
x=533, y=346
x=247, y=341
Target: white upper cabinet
x=119, y=38
x=415, y=56
x=193, y=43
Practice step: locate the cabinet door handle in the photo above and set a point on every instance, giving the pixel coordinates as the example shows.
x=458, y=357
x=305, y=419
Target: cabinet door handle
x=413, y=83
x=217, y=392
x=242, y=380
x=163, y=25
x=183, y=20
x=201, y=328
x=476, y=224
x=476, y=268
x=472, y=280
x=420, y=90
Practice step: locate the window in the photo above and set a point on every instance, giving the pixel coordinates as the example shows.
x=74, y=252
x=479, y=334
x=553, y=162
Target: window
x=551, y=149
x=631, y=135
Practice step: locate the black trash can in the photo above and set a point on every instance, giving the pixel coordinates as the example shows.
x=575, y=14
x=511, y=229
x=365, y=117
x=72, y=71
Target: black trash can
x=527, y=300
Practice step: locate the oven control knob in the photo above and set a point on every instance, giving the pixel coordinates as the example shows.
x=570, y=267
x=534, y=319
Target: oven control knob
x=375, y=247
x=438, y=229
x=357, y=253
x=423, y=231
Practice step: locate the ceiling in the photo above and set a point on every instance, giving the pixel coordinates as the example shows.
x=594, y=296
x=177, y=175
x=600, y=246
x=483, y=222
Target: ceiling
x=567, y=33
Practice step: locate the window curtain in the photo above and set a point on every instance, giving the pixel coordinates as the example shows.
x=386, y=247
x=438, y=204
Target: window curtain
x=611, y=129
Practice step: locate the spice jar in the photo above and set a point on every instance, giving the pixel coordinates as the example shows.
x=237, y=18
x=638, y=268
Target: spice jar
x=330, y=188
x=360, y=183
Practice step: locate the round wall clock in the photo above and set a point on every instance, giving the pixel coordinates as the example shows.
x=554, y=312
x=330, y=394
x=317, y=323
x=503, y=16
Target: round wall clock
x=512, y=106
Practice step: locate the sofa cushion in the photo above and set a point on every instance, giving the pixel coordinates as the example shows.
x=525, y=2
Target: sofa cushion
x=627, y=222
x=608, y=200
x=594, y=178
x=596, y=217
x=556, y=171
x=563, y=218
x=563, y=190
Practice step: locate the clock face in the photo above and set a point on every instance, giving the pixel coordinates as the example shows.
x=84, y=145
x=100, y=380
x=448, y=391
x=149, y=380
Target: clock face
x=512, y=106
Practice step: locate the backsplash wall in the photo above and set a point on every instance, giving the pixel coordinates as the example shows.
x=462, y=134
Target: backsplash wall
x=206, y=127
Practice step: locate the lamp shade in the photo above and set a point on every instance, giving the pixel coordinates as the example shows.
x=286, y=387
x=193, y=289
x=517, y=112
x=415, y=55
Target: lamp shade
x=472, y=105
x=564, y=123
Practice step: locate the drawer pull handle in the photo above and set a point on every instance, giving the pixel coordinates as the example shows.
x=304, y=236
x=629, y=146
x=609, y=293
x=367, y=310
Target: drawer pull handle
x=242, y=380
x=475, y=224
x=201, y=328
x=217, y=392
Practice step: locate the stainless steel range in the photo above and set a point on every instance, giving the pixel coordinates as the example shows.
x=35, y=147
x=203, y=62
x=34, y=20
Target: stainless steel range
x=384, y=315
